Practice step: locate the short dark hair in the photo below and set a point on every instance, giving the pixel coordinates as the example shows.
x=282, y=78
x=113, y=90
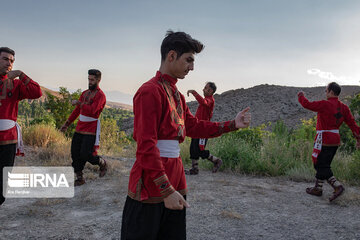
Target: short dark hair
x=212, y=86
x=333, y=86
x=7, y=50
x=95, y=72
x=181, y=43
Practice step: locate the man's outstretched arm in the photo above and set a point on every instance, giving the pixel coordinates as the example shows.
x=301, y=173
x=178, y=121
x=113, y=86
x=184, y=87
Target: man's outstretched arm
x=205, y=129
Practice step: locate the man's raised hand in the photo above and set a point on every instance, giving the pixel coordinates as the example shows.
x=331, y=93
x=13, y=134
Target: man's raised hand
x=243, y=118
x=75, y=102
x=63, y=128
x=190, y=91
x=14, y=74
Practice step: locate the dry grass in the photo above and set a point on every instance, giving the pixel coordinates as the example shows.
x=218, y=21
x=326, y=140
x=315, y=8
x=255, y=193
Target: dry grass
x=276, y=189
x=49, y=201
x=348, y=198
x=231, y=214
x=34, y=212
x=55, y=155
x=115, y=167
x=51, y=148
x=42, y=135
x=128, y=151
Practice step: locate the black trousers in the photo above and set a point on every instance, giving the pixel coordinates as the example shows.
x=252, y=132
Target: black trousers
x=7, y=158
x=82, y=148
x=195, y=151
x=152, y=221
x=323, y=163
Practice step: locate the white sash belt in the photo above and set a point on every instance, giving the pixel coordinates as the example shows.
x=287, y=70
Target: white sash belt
x=168, y=148
x=84, y=118
x=332, y=131
x=318, y=140
x=6, y=124
x=202, y=141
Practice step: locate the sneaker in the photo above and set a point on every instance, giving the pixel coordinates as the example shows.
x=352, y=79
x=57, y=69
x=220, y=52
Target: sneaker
x=79, y=179
x=79, y=182
x=314, y=191
x=192, y=171
x=217, y=164
x=103, y=168
x=337, y=192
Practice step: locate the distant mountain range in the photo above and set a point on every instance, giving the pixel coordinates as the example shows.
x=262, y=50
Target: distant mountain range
x=120, y=97
x=268, y=104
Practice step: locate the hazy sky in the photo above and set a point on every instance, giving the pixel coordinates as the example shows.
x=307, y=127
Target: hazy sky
x=294, y=43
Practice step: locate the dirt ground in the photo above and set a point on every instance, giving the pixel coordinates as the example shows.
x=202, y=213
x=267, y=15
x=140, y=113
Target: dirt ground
x=223, y=206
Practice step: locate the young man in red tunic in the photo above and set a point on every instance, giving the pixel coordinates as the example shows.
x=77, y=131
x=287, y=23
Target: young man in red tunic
x=197, y=146
x=86, y=138
x=331, y=113
x=155, y=205
x=14, y=86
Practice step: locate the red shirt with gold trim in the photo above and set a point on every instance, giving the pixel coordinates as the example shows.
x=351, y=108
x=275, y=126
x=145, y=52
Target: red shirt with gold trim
x=331, y=114
x=161, y=113
x=11, y=92
x=92, y=102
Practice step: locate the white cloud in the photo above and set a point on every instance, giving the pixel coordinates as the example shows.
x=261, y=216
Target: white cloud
x=329, y=76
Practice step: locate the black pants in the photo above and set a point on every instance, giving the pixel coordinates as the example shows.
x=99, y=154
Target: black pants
x=82, y=148
x=7, y=158
x=323, y=164
x=195, y=151
x=152, y=221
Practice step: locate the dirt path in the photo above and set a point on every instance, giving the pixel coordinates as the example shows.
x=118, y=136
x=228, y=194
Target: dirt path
x=223, y=206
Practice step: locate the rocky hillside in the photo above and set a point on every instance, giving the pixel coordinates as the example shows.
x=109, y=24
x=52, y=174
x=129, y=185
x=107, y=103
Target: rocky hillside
x=268, y=103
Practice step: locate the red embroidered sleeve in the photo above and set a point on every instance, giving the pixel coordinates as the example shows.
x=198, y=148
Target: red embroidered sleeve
x=315, y=106
x=205, y=129
x=164, y=186
x=350, y=121
x=28, y=88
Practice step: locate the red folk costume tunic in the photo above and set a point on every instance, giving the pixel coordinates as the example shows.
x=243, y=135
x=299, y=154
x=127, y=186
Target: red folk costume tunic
x=204, y=112
x=331, y=114
x=206, y=107
x=161, y=113
x=92, y=102
x=11, y=92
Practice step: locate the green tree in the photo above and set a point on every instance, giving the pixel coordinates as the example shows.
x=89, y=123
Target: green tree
x=61, y=107
x=347, y=138
x=25, y=108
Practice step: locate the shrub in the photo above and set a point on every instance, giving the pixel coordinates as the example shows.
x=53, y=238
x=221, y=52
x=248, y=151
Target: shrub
x=236, y=153
x=185, y=151
x=279, y=153
x=112, y=141
x=307, y=130
x=42, y=135
x=354, y=168
x=46, y=119
x=52, y=147
x=347, y=139
x=55, y=155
